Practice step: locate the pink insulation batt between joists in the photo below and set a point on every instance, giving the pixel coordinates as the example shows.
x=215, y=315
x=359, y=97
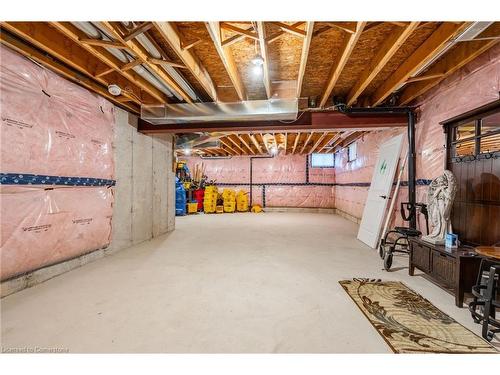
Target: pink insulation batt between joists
x=51, y=127
x=280, y=169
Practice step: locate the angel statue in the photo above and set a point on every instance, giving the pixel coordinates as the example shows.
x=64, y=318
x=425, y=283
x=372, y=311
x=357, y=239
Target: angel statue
x=440, y=198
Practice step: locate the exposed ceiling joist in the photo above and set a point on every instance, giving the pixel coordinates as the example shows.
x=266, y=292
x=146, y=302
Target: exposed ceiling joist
x=296, y=142
x=332, y=138
x=236, y=143
x=385, y=53
x=227, y=59
x=106, y=57
x=226, y=142
x=42, y=58
x=238, y=30
x=348, y=27
x=241, y=138
x=140, y=53
x=306, y=142
x=304, y=55
x=165, y=62
x=103, y=43
x=424, y=77
x=261, y=30
x=318, y=142
x=170, y=34
x=290, y=29
x=274, y=37
x=138, y=30
x=341, y=60
x=464, y=53
x=418, y=59
x=236, y=38
x=256, y=144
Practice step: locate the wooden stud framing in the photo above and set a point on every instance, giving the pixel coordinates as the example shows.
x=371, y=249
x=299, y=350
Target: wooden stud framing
x=318, y=142
x=169, y=33
x=348, y=46
x=106, y=57
x=422, y=55
x=236, y=29
x=236, y=38
x=141, y=54
x=138, y=30
x=255, y=143
x=261, y=30
x=226, y=142
x=303, y=56
x=227, y=59
x=279, y=34
x=296, y=142
x=452, y=61
x=306, y=142
x=386, y=51
x=102, y=43
x=290, y=29
x=348, y=27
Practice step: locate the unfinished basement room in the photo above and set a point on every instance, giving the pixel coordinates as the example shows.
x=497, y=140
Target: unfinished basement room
x=236, y=186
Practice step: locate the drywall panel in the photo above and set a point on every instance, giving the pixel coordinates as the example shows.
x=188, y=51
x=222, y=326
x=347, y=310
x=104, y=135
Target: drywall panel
x=161, y=167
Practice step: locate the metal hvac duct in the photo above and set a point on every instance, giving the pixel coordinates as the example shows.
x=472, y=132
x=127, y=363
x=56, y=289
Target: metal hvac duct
x=254, y=110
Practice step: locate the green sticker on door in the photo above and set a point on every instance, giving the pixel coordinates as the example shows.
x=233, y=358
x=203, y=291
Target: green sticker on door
x=383, y=167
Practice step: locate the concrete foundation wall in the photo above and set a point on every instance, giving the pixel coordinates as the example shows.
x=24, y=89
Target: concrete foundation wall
x=144, y=194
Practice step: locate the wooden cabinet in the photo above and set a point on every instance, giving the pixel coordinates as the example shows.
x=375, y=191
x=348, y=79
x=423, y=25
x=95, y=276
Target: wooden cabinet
x=454, y=269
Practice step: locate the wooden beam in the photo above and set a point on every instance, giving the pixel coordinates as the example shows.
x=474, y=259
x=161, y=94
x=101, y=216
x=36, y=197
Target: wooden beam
x=165, y=62
x=290, y=29
x=318, y=142
x=48, y=39
x=280, y=33
x=227, y=59
x=140, y=53
x=286, y=142
x=296, y=142
x=331, y=138
x=170, y=34
x=185, y=46
x=138, y=30
x=261, y=31
x=236, y=29
x=102, y=43
x=63, y=70
x=247, y=145
x=73, y=33
x=229, y=137
x=263, y=143
x=256, y=144
x=236, y=38
x=104, y=72
x=348, y=27
x=341, y=60
x=228, y=144
x=304, y=55
x=458, y=57
x=423, y=77
x=306, y=142
x=131, y=65
x=390, y=46
x=422, y=55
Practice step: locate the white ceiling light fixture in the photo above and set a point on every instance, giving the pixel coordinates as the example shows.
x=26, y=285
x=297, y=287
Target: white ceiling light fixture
x=257, y=70
x=114, y=89
x=273, y=150
x=258, y=60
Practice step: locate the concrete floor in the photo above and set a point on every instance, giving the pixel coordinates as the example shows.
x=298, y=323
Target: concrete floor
x=218, y=283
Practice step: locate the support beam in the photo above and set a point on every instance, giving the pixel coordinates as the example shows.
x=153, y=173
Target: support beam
x=48, y=39
x=290, y=29
x=418, y=59
x=228, y=145
x=238, y=30
x=73, y=33
x=307, y=121
x=165, y=62
x=333, y=137
x=464, y=53
x=306, y=142
x=256, y=144
x=170, y=34
x=348, y=27
x=385, y=53
x=318, y=142
x=286, y=142
x=140, y=53
x=131, y=65
x=63, y=70
x=245, y=143
x=296, y=142
x=341, y=60
x=236, y=38
x=263, y=143
x=279, y=34
x=261, y=30
x=227, y=59
x=236, y=144
x=304, y=55
x=138, y=30
x=102, y=43
x=424, y=77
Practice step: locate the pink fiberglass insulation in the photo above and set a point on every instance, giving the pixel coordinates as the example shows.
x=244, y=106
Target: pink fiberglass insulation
x=282, y=169
x=42, y=227
x=473, y=86
x=51, y=126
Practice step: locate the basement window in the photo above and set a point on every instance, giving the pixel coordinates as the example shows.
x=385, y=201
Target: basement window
x=322, y=160
x=352, y=152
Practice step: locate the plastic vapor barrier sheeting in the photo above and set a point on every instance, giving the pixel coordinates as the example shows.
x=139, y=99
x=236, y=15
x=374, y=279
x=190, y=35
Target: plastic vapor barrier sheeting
x=53, y=132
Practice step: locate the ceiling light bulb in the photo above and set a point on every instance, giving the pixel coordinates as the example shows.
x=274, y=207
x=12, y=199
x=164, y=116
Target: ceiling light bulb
x=187, y=151
x=114, y=89
x=257, y=70
x=274, y=150
x=258, y=60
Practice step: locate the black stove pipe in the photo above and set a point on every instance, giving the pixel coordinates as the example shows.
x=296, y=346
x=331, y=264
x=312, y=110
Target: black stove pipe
x=412, y=196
